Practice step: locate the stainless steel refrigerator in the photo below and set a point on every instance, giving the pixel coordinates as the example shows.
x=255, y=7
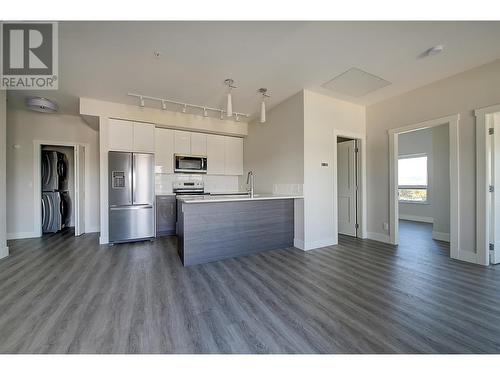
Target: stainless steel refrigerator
x=131, y=196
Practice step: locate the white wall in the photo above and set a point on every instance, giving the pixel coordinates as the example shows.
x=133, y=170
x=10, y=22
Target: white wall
x=418, y=142
x=24, y=127
x=4, y=250
x=462, y=93
x=323, y=116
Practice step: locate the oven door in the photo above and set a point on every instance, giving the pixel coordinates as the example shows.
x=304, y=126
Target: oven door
x=190, y=164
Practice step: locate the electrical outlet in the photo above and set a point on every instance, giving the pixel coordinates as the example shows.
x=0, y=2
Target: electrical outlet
x=386, y=226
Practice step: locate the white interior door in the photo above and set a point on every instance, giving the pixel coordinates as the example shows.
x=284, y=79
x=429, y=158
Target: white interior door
x=495, y=195
x=346, y=187
x=79, y=203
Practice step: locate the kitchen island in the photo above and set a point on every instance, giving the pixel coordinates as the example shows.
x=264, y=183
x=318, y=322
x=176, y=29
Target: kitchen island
x=211, y=228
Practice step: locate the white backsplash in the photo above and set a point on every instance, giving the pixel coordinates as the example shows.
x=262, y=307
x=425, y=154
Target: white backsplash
x=213, y=183
x=288, y=189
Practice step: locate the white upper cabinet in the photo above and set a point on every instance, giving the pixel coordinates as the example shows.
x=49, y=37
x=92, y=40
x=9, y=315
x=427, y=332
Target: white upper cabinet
x=182, y=142
x=164, y=150
x=131, y=136
x=120, y=135
x=216, y=154
x=233, y=156
x=198, y=144
x=144, y=137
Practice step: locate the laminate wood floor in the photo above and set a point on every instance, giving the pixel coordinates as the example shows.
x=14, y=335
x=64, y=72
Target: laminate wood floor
x=61, y=294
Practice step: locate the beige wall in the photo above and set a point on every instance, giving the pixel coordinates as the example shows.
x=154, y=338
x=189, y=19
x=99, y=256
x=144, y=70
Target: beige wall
x=4, y=251
x=441, y=180
x=323, y=116
x=274, y=151
x=93, y=109
x=23, y=127
x=462, y=93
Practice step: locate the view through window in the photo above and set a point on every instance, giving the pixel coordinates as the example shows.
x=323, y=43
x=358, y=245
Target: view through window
x=412, y=178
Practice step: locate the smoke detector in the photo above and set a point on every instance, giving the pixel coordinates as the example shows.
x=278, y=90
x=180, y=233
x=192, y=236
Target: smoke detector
x=41, y=105
x=434, y=50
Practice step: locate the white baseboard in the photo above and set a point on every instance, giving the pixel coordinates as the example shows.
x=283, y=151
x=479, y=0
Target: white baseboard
x=467, y=256
x=422, y=219
x=380, y=237
x=299, y=244
x=4, y=252
x=103, y=240
x=441, y=236
x=318, y=244
x=21, y=235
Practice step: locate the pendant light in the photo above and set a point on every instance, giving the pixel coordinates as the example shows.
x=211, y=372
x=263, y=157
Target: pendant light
x=229, y=107
x=265, y=95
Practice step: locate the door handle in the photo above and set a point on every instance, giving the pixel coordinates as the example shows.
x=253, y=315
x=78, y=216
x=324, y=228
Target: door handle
x=130, y=208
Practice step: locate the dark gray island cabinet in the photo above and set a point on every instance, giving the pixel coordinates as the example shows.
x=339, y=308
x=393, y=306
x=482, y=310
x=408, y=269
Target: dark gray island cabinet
x=214, y=229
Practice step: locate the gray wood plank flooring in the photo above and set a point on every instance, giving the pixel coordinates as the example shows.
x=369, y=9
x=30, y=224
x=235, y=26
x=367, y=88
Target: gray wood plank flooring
x=61, y=294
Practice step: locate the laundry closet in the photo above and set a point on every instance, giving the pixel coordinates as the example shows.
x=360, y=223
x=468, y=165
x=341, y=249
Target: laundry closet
x=58, y=188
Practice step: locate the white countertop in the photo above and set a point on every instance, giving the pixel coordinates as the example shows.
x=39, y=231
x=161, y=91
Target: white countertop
x=233, y=198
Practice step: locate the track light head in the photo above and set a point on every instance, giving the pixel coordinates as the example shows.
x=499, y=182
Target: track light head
x=263, y=92
x=141, y=101
x=229, y=82
x=163, y=105
x=184, y=109
x=229, y=107
x=205, y=113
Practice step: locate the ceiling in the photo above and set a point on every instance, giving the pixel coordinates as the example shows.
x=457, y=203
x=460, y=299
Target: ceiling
x=107, y=60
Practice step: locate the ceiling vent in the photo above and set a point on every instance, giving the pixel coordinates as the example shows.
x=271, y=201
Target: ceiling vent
x=356, y=83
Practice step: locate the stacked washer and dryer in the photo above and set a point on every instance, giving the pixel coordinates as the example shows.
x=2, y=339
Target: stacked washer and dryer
x=56, y=203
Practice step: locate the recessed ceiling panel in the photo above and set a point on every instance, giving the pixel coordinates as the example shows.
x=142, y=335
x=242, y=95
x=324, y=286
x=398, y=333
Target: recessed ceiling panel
x=356, y=83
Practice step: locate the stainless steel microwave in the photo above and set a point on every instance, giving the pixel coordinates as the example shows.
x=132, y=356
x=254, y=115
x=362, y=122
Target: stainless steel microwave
x=190, y=164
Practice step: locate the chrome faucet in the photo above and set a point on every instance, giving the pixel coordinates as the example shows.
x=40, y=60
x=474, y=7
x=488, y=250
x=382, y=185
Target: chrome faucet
x=250, y=179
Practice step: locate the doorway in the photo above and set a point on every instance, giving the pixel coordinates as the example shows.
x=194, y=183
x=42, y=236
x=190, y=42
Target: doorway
x=357, y=216
x=59, y=186
x=418, y=190
x=424, y=186
x=347, y=186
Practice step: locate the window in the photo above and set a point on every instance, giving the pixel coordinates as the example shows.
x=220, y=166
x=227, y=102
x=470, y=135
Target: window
x=412, y=178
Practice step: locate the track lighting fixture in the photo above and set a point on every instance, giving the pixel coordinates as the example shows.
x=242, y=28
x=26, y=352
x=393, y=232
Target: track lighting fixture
x=163, y=102
x=263, y=92
x=229, y=107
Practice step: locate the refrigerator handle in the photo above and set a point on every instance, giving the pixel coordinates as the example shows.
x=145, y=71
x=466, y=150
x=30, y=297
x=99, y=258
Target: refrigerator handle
x=133, y=179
